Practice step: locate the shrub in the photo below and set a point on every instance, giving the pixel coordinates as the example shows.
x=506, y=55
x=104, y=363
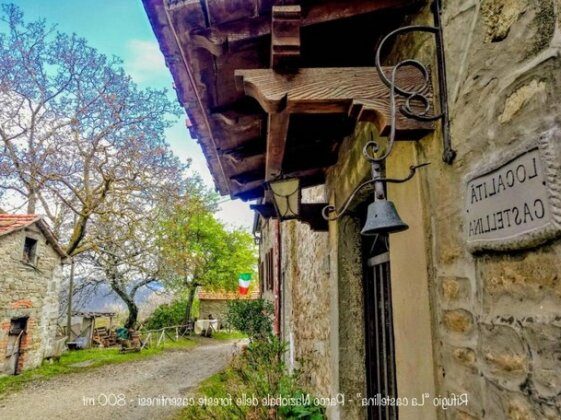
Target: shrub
x=254, y=378
x=167, y=315
x=257, y=379
x=252, y=317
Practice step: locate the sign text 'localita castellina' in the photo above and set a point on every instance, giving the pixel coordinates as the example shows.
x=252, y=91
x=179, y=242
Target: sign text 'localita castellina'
x=507, y=203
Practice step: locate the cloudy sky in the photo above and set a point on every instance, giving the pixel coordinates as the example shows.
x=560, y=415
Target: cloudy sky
x=121, y=28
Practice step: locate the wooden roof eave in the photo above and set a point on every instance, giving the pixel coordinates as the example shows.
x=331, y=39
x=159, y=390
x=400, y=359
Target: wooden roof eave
x=188, y=95
x=231, y=36
x=221, y=38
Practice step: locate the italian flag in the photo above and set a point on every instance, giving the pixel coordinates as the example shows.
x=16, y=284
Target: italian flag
x=243, y=281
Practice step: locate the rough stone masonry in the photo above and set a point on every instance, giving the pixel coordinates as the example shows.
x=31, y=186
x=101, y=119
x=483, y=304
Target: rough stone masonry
x=28, y=291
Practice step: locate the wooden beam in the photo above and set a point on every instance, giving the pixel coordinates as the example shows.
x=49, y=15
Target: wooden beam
x=235, y=122
x=357, y=91
x=342, y=9
x=250, y=148
x=309, y=178
x=211, y=40
x=245, y=178
x=285, y=37
x=233, y=35
x=277, y=132
x=236, y=131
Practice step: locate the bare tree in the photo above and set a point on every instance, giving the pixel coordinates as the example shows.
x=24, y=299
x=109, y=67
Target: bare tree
x=75, y=131
x=124, y=257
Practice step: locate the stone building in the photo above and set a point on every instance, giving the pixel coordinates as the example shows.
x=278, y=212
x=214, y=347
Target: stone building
x=31, y=262
x=465, y=304
x=215, y=303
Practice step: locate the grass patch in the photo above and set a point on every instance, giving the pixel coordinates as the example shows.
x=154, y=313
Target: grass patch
x=228, y=335
x=217, y=384
x=97, y=357
x=182, y=343
x=220, y=385
x=245, y=388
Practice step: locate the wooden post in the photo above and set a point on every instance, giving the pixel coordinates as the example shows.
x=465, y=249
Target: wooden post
x=70, y=293
x=358, y=92
x=92, y=329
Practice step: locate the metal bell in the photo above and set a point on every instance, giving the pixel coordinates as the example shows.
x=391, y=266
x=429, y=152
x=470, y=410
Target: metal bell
x=382, y=217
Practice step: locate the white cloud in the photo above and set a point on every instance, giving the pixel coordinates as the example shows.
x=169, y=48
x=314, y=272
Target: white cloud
x=144, y=61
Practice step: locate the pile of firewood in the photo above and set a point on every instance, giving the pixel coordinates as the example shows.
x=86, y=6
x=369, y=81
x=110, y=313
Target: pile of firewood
x=103, y=337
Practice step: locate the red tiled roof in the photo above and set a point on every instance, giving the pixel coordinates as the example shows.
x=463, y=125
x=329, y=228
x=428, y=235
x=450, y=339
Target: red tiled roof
x=12, y=222
x=221, y=295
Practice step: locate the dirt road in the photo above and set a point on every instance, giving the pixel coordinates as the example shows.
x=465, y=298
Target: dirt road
x=131, y=390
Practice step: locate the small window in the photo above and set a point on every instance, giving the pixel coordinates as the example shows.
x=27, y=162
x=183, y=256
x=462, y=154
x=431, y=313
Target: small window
x=270, y=270
x=30, y=251
x=262, y=284
x=17, y=325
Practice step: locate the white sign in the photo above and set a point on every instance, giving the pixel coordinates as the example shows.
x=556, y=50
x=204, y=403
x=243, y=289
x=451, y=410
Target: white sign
x=507, y=202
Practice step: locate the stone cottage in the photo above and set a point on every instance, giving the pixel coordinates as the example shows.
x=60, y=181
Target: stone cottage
x=459, y=315
x=31, y=261
x=215, y=303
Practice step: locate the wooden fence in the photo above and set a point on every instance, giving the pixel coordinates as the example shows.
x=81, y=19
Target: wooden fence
x=157, y=338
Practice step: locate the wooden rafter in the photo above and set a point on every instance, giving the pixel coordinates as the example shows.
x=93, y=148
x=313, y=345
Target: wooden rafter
x=277, y=132
x=357, y=91
x=249, y=148
x=231, y=35
x=285, y=52
x=245, y=178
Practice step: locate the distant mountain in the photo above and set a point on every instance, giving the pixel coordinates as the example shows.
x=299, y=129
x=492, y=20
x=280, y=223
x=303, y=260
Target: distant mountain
x=104, y=299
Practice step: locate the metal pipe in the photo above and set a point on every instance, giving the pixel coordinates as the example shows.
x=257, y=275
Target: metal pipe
x=449, y=154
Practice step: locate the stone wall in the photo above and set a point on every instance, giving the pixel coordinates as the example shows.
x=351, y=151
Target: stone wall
x=307, y=301
x=267, y=244
x=345, y=241
x=306, y=276
x=32, y=292
x=217, y=308
x=496, y=314
x=488, y=323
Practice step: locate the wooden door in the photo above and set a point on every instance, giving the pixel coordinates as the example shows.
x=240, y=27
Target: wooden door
x=14, y=350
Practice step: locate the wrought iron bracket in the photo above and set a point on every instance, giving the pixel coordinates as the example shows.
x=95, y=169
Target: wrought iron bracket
x=418, y=95
x=378, y=180
x=421, y=94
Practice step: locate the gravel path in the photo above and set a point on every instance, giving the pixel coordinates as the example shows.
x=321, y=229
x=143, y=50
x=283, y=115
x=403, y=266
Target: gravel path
x=121, y=391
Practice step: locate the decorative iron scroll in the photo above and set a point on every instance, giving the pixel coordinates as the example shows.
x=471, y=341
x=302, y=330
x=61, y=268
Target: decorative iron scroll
x=419, y=96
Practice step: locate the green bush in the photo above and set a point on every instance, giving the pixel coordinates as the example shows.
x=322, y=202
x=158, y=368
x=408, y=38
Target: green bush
x=167, y=315
x=258, y=375
x=252, y=317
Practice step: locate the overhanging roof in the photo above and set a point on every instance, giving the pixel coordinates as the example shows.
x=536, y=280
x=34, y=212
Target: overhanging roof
x=205, y=42
x=224, y=295
x=10, y=223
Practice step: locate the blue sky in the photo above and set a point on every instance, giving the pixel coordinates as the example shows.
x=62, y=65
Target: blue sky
x=121, y=28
